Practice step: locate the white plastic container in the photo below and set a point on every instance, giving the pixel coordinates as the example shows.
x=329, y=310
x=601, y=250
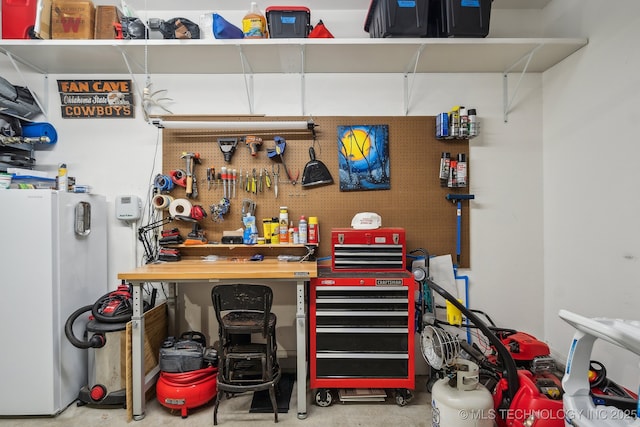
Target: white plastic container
x=5, y=180
x=284, y=225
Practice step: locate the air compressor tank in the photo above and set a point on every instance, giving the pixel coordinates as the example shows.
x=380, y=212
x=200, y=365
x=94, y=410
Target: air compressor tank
x=465, y=403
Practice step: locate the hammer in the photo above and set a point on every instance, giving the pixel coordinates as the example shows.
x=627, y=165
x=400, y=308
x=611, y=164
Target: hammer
x=254, y=143
x=192, y=191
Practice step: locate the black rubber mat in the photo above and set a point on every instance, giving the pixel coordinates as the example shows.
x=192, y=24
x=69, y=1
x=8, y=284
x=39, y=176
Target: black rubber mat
x=261, y=402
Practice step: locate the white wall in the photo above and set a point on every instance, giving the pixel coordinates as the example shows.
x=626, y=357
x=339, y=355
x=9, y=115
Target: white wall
x=120, y=156
x=590, y=146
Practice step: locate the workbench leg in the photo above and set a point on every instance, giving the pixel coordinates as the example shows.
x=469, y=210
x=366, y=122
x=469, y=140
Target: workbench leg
x=172, y=309
x=301, y=350
x=137, y=357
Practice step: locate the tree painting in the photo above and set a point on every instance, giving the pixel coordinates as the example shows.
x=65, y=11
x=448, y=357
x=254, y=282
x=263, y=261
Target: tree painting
x=363, y=157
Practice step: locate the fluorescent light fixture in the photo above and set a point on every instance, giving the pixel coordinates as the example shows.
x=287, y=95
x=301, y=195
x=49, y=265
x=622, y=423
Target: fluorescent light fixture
x=228, y=125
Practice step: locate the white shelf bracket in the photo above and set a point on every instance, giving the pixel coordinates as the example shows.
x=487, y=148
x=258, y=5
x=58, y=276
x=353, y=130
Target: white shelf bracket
x=14, y=61
x=506, y=102
x=125, y=58
x=247, y=73
x=302, y=80
x=408, y=86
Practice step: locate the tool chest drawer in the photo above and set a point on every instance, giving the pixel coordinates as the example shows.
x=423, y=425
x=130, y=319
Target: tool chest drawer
x=369, y=341
x=382, y=249
x=361, y=366
x=362, y=332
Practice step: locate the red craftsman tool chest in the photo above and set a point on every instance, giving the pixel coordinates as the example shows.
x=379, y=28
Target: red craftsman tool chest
x=380, y=249
x=361, y=333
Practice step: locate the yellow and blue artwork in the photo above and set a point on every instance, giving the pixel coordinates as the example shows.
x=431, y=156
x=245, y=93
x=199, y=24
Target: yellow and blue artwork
x=363, y=157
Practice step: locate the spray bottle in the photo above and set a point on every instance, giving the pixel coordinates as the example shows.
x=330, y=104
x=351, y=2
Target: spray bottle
x=314, y=232
x=250, y=236
x=303, y=230
x=63, y=183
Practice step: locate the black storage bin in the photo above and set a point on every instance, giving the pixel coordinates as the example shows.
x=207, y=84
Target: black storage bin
x=459, y=18
x=288, y=22
x=397, y=18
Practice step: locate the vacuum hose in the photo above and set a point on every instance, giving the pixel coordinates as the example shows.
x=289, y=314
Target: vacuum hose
x=510, y=368
x=96, y=341
x=113, y=307
x=117, y=306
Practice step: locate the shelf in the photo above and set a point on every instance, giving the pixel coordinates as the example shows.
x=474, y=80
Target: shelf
x=314, y=5
x=239, y=246
x=360, y=55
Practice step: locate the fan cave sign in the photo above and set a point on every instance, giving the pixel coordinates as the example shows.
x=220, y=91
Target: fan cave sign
x=80, y=99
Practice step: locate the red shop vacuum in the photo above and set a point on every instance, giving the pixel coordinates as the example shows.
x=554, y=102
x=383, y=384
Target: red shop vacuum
x=104, y=339
x=188, y=373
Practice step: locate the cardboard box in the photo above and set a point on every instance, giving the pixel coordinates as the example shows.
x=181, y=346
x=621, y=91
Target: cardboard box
x=72, y=19
x=107, y=17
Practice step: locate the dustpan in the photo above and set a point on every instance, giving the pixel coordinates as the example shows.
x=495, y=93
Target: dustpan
x=315, y=172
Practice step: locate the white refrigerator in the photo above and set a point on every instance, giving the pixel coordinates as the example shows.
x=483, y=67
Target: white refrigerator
x=53, y=261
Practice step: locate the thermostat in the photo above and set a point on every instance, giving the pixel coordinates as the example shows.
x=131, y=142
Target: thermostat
x=128, y=208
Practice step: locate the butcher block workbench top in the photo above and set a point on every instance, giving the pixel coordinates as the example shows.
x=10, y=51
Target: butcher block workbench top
x=229, y=268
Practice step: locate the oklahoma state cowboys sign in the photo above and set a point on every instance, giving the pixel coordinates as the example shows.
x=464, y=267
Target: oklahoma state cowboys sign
x=96, y=98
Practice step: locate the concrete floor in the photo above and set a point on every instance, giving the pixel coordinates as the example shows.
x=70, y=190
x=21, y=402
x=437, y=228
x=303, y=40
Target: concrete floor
x=235, y=413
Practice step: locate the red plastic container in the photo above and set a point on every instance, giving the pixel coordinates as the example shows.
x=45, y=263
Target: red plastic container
x=18, y=17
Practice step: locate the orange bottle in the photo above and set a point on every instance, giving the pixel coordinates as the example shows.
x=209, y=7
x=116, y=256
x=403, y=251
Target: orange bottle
x=254, y=24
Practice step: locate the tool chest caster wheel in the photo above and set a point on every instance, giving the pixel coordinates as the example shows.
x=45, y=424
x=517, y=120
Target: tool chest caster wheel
x=403, y=396
x=323, y=397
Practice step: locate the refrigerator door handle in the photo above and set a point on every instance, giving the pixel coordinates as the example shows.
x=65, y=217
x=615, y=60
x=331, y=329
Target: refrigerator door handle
x=82, y=222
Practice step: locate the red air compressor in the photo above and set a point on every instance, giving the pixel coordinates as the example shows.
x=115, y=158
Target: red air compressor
x=185, y=390
x=188, y=372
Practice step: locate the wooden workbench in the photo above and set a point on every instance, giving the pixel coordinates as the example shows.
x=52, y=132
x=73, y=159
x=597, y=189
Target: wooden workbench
x=227, y=270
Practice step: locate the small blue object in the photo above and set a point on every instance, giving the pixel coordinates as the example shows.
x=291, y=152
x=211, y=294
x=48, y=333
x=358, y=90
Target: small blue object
x=257, y=257
x=470, y=3
x=442, y=125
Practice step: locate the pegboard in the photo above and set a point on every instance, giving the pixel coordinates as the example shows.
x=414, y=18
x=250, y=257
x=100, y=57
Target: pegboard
x=415, y=200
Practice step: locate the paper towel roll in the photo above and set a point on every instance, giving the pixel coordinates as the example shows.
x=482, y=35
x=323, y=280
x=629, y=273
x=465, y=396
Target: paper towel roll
x=180, y=207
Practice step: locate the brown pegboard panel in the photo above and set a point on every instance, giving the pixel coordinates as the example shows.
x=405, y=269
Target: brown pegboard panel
x=415, y=200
